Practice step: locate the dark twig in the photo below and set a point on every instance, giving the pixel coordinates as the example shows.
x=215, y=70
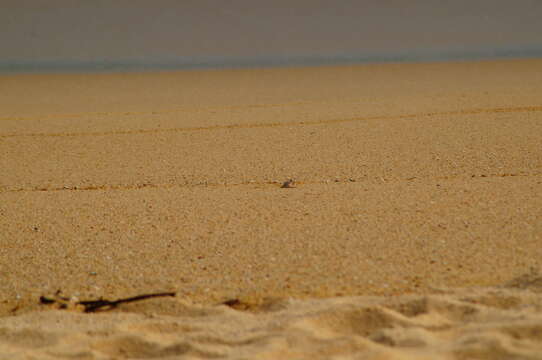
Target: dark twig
x=94, y=305
x=102, y=304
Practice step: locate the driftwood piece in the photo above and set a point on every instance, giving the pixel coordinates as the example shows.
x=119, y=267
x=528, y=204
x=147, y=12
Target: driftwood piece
x=89, y=306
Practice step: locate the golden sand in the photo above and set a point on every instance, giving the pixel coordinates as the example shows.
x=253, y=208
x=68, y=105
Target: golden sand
x=412, y=226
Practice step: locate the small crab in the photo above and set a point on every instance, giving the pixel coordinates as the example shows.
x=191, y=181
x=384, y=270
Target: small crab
x=288, y=184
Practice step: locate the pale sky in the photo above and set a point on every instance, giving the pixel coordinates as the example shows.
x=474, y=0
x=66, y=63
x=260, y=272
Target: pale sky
x=166, y=30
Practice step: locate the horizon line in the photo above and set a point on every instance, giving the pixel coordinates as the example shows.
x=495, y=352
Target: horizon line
x=260, y=61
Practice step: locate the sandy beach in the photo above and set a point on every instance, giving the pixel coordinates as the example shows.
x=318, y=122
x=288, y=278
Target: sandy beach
x=412, y=229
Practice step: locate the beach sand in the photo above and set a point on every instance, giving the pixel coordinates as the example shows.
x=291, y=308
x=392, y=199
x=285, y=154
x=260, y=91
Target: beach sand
x=413, y=228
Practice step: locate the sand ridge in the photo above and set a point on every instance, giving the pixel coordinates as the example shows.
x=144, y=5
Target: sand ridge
x=496, y=322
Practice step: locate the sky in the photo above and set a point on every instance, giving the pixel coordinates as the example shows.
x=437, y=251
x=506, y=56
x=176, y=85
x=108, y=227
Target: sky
x=167, y=31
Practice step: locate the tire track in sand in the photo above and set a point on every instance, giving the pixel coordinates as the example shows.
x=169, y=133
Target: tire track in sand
x=474, y=111
x=276, y=183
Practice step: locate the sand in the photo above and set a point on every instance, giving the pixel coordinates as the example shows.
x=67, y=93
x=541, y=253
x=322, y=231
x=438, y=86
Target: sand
x=413, y=227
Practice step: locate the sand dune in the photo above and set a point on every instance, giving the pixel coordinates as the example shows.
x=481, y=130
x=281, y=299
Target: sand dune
x=413, y=231
x=502, y=322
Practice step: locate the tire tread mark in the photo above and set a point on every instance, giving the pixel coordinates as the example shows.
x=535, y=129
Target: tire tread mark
x=284, y=124
x=139, y=186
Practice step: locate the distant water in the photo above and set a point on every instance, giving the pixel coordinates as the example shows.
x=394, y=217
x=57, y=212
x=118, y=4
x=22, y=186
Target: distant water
x=233, y=62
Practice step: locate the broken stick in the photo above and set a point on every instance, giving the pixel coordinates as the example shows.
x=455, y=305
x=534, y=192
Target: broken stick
x=100, y=304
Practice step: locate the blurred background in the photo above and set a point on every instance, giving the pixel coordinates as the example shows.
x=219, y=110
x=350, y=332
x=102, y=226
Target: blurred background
x=136, y=34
